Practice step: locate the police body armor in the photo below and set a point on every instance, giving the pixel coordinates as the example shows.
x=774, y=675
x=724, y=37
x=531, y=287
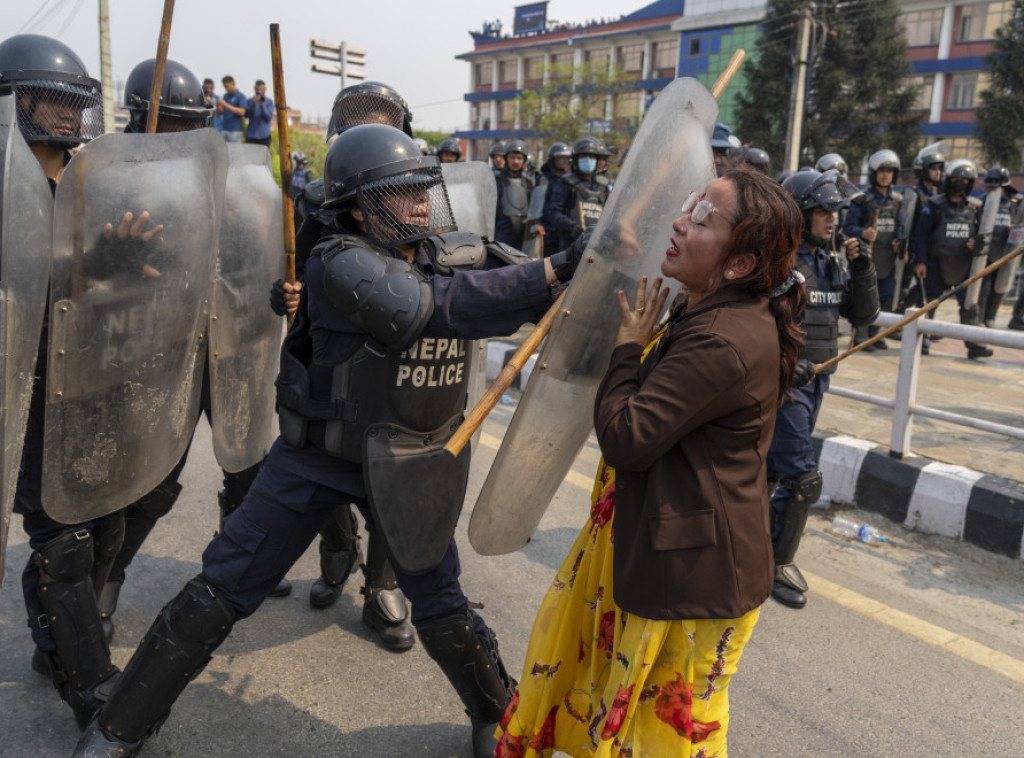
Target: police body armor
x=515, y=202
x=999, y=244
x=821, y=316
x=390, y=409
x=948, y=240
x=1008, y=222
x=591, y=198
x=881, y=248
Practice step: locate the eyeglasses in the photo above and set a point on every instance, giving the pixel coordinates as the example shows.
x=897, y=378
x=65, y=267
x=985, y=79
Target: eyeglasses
x=698, y=207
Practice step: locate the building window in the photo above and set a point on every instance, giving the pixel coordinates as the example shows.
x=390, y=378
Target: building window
x=596, y=57
x=963, y=90
x=631, y=58
x=700, y=45
x=533, y=69
x=507, y=72
x=561, y=59
x=926, y=86
x=979, y=22
x=627, y=109
x=923, y=27
x=483, y=75
x=506, y=114
x=666, y=56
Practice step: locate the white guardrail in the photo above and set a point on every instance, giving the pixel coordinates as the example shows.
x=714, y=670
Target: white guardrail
x=903, y=405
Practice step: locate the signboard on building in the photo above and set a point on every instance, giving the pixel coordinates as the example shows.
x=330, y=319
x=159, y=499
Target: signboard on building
x=530, y=18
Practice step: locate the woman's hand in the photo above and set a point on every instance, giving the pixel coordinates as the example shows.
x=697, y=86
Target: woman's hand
x=639, y=324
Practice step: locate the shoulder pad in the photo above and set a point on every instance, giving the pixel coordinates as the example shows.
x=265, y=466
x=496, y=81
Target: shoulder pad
x=457, y=251
x=937, y=199
x=601, y=179
x=570, y=178
x=506, y=254
x=314, y=192
x=974, y=201
x=897, y=196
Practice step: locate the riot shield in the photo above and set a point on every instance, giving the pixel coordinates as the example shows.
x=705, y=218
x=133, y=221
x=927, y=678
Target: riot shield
x=532, y=239
x=670, y=157
x=245, y=334
x=1006, y=275
x=128, y=316
x=473, y=196
x=980, y=259
x=26, y=225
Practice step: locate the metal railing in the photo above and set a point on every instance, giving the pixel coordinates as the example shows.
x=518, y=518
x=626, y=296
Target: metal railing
x=903, y=405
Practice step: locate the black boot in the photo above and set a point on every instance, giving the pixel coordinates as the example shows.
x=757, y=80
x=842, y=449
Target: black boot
x=80, y=667
x=991, y=309
x=476, y=671
x=790, y=587
x=1017, y=319
x=173, y=652
x=975, y=350
x=339, y=556
x=385, y=610
x=881, y=344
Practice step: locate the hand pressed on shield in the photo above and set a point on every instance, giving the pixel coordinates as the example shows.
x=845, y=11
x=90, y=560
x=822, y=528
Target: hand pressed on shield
x=640, y=323
x=129, y=234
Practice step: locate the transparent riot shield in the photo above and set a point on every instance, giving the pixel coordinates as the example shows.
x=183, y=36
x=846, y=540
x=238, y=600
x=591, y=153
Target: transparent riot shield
x=245, y=334
x=989, y=213
x=473, y=196
x=128, y=316
x=532, y=239
x=670, y=157
x=26, y=226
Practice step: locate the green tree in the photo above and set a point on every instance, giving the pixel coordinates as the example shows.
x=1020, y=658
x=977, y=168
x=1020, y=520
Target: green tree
x=859, y=96
x=432, y=138
x=579, y=100
x=313, y=145
x=1000, y=119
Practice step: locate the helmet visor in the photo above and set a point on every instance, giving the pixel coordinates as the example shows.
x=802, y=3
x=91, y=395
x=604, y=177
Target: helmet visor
x=66, y=111
x=406, y=207
x=355, y=110
x=831, y=192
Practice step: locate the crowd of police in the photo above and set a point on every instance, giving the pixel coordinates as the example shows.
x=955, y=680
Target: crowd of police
x=374, y=373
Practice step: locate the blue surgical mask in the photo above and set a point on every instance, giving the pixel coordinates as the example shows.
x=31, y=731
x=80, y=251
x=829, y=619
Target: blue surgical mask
x=587, y=165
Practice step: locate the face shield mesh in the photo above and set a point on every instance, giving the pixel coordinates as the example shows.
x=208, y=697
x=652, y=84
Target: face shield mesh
x=406, y=207
x=66, y=113
x=355, y=110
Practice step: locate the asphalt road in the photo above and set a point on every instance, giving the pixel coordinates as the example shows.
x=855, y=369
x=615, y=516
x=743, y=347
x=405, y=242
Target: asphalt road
x=914, y=648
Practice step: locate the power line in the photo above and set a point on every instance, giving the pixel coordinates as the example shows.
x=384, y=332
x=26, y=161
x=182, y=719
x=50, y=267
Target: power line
x=41, y=9
x=71, y=17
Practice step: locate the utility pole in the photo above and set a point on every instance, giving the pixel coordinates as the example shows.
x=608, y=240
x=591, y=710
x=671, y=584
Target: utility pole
x=796, y=97
x=106, y=77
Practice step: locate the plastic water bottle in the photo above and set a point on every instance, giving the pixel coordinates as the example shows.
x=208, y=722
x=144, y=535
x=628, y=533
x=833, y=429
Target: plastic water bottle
x=866, y=534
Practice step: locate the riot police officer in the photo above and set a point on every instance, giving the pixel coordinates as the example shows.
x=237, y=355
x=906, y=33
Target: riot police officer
x=875, y=218
x=449, y=150
x=943, y=241
x=831, y=161
x=997, y=284
x=395, y=347
x=385, y=610
x=558, y=163
x=58, y=108
x=497, y=154
x=575, y=200
x=832, y=292
x=514, y=188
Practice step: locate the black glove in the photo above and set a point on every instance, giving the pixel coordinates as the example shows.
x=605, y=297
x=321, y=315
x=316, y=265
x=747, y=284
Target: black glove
x=277, y=303
x=863, y=260
x=577, y=230
x=803, y=374
x=566, y=261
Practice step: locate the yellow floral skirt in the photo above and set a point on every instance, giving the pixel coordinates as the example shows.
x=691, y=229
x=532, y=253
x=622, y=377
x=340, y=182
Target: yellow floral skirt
x=602, y=682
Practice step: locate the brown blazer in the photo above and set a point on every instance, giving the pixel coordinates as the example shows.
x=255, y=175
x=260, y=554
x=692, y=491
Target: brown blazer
x=688, y=431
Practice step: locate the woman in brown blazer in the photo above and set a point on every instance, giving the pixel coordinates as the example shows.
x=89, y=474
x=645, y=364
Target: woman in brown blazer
x=637, y=638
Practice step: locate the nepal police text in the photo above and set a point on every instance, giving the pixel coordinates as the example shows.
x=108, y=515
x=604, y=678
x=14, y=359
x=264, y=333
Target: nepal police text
x=433, y=362
x=824, y=297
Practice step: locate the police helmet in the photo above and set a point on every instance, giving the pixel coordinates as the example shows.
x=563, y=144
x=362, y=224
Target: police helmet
x=450, y=145
x=497, y=148
x=423, y=145
x=814, y=189
x=783, y=175
x=927, y=157
x=400, y=192
x=757, y=158
x=722, y=137
x=586, y=145
x=369, y=103
x=181, y=98
x=883, y=159
x=516, y=146
x=997, y=176
x=559, y=150
x=606, y=150
x=40, y=69
x=830, y=161
x=959, y=177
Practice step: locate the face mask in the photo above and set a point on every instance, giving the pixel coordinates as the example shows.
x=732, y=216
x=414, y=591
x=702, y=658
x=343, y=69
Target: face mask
x=587, y=165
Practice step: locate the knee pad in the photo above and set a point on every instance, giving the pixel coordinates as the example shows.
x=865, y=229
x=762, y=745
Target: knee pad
x=66, y=559
x=199, y=615
x=806, y=488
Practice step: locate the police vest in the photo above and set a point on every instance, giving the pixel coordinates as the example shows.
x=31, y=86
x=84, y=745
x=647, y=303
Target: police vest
x=1001, y=232
x=881, y=248
x=422, y=389
x=955, y=225
x=821, y=316
x=591, y=195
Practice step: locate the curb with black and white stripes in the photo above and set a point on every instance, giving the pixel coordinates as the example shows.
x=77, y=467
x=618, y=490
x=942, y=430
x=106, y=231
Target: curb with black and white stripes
x=933, y=497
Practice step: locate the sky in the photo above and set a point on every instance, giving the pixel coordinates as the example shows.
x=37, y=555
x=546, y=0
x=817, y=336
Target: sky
x=411, y=44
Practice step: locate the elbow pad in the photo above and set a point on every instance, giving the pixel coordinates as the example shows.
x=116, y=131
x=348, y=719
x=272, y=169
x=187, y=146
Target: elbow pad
x=457, y=251
x=386, y=296
x=863, y=305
